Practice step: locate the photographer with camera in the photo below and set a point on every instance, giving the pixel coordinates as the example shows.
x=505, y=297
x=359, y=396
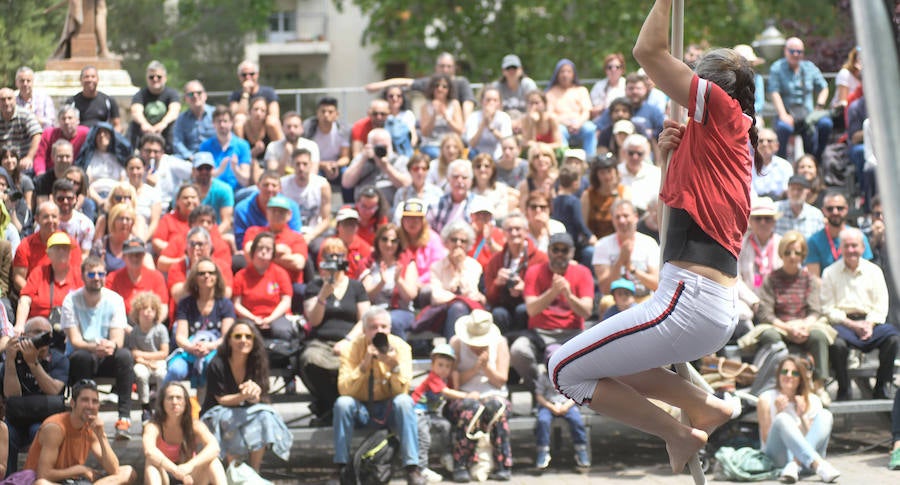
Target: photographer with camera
x=48, y=284
x=333, y=304
x=504, y=275
x=377, y=165
x=33, y=387
x=375, y=372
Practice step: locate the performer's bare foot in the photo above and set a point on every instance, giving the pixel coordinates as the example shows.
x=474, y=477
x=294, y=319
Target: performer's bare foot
x=683, y=448
x=715, y=413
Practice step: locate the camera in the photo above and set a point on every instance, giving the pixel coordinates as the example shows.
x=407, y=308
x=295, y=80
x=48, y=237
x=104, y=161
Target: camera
x=380, y=151
x=42, y=340
x=14, y=194
x=380, y=341
x=512, y=282
x=335, y=265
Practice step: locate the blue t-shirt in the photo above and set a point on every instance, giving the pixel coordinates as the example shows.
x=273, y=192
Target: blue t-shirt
x=248, y=214
x=237, y=147
x=219, y=195
x=820, y=250
x=93, y=322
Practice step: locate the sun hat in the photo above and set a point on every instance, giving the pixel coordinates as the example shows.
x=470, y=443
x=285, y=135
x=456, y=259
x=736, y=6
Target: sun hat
x=477, y=329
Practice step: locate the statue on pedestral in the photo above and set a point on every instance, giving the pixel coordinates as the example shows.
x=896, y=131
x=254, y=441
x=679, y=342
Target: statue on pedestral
x=84, y=33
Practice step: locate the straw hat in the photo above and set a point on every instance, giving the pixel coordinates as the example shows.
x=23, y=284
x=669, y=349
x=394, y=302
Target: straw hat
x=477, y=329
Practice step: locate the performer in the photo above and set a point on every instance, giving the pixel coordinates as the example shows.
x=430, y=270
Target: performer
x=616, y=365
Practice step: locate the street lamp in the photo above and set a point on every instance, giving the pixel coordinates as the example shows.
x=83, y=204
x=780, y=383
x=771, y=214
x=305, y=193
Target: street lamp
x=769, y=43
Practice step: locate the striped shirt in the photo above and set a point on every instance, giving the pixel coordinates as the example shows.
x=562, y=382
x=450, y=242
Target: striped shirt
x=19, y=131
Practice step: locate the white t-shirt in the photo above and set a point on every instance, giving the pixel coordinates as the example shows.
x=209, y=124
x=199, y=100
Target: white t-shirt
x=644, y=256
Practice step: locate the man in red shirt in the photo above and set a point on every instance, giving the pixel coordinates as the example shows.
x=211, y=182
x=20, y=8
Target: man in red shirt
x=32, y=252
x=136, y=278
x=358, y=250
x=377, y=115
x=559, y=295
x=204, y=216
x=68, y=129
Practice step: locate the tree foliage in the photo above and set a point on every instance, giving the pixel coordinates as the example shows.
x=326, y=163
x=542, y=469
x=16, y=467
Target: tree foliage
x=480, y=32
x=29, y=35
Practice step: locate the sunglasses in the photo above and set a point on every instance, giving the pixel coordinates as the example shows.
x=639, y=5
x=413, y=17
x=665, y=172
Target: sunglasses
x=792, y=373
x=419, y=169
x=194, y=94
x=380, y=113
x=538, y=207
x=63, y=198
x=388, y=240
x=633, y=153
x=120, y=198
x=767, y=140
x=791, y=252
x=764, y=218
x=459, y=240
x=559, y=249
x=84, y=384
x=197, y=244
x=835, y=208
x=248, y=74
x=154, y=77
x=795, y=52
x=206, y=273
x=242, y=336
x=96, y=274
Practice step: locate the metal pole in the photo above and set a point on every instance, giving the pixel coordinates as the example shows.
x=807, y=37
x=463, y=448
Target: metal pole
x=882, y=76
x=677, y=113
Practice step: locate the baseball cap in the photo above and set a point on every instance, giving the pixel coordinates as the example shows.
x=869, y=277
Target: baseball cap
x=799, y=180
x=623, y=126
x=58, y=239
x=346, y=213
x=204, y=158
x=575, y=153
x=280, y=202
x=444, y=349
x=134, y=246
x=763, y=206
x=622, y=283
x=746, y=52
x=511, y=60
x=561, y=238
x=480, y=204
x=414, y=207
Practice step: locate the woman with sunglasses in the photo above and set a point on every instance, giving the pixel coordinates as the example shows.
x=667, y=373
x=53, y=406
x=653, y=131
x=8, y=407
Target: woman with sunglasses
x=420, y=188
x=610, y=87
x=119, y=229
x=391, y=279
x=237, y=398
x=14, y=210
x=121, y=193
x=178, y=447
x=201, y=318
x=263, y=291
x=540, y=225
x=794, y=428
x=441, y=115
x=693, y=312
x=174, y=224
x=399, y=108
x=789, y=311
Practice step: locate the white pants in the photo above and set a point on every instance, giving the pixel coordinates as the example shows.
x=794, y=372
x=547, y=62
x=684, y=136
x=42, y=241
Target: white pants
x=689, y=316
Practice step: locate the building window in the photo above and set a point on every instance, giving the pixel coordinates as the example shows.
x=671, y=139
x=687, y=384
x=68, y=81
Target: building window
x=282, y=26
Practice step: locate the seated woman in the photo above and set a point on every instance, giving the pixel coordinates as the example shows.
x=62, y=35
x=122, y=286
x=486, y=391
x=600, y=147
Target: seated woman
x=333, y=304
x=178, y=447
x=487, y=126
x=391, y=279
x=605, y=188
x=454, y=279
x=790, y=308
x=441, y=115
x=122, y=193
x=421, y=242
x=794, y=428
x=259, y=129
x=148, y=198
x=451, y=148
x=420, y=188
x=121, y=221
x=10, y=224
x=263, y=291
x=540, y=225
x=9, y=160
x=237, y=396
x=539, y=125
x=502, y=197
x=175, y=223
x=201, y=318
x=511, y=168
x=542, y=173
x=83, y=203
x=482, y=367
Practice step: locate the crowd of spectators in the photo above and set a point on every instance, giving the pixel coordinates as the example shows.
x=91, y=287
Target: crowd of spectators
x=177, y=246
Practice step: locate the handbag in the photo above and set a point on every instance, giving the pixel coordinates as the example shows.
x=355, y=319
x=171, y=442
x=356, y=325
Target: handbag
x=431, y=319
x=240, y=473
x=33, y=408
x=742, y=373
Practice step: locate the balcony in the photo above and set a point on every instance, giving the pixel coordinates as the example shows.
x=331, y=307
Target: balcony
x=294, y=33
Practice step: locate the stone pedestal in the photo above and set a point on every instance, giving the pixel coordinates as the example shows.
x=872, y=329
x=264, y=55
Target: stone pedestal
x=63, y=84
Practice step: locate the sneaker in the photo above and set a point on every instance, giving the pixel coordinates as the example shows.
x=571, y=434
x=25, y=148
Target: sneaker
x=827, y=472
x=895, y=460
x=543, y=458
x=146, y=416
x=432, y=476
x=414, y=476
x=582, y=458
x=791, y=472
x=122, y=426
x=501, y=475
x=461, y=475
x=447, y=462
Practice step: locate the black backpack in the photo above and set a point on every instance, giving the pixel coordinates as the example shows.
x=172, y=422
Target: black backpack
x=374, y=459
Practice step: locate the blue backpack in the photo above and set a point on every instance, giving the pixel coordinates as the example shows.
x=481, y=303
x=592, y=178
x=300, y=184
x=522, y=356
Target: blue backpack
x=400, y=136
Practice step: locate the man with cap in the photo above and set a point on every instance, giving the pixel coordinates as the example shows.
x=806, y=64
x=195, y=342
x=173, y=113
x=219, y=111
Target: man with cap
x=252, y=210
x=32, y=251
x=620, y=109
x=576, y=159
x=759, y=252
x=72, y=221
x=559, y=295
x=212, y=191
x=794, y=213
x=504, y=275
x=514, y=86
x=135, y=277
x=776, y=171
x=358, y=250
x=48, y=285
x=622, y=291
x=291, y=250
x=489, y=238
x=373, y=381
x=627, y=254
